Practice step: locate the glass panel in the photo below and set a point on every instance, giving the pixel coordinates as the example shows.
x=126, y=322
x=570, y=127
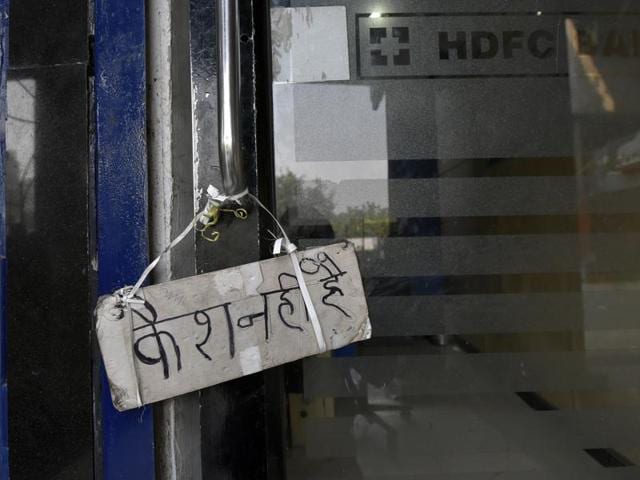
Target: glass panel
x=483, y=157
x=49, y=272
x=48, y=283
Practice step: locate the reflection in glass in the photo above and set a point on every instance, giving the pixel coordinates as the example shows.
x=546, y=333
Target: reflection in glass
x=48, y=277
x=21, y=131
x=485, y=163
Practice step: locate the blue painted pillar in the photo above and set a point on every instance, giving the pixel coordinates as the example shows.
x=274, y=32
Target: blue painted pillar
x=4, y=413
x=121, y=201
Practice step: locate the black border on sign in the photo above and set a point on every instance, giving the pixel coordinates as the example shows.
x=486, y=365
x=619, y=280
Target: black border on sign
x=469, y=14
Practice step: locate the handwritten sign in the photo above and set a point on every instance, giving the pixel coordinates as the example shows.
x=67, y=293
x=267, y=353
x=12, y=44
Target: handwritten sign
x=196, y=332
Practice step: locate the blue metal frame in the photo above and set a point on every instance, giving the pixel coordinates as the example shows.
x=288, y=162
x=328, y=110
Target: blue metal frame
x=121, y=201
x=4, y=410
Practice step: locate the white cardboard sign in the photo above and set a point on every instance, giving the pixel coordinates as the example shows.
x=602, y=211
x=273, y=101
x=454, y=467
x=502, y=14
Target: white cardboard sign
x=196, y=332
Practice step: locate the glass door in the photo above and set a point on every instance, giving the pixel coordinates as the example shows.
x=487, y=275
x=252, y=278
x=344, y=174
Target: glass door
x=484, y=158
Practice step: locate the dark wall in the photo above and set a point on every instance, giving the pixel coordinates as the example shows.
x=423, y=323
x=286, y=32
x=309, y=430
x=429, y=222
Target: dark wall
x=49, y=274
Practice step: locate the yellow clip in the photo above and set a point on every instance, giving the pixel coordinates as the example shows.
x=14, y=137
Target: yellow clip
x=214, y=215
x=213, y=236
x=240, y=213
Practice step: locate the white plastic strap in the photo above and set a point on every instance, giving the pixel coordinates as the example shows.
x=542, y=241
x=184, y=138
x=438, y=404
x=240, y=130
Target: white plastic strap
x=130, y=293
x=306, y=296
x=214, y=194
x=304, y=291
x=277, y=246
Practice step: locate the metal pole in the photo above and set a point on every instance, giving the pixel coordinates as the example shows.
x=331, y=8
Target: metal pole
x=231, y=164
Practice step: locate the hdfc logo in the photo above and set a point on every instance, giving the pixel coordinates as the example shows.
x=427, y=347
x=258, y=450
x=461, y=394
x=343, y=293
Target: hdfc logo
x=389, y=46
x=431, y=45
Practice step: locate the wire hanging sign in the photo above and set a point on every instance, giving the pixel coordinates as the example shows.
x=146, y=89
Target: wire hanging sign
x=172, y=338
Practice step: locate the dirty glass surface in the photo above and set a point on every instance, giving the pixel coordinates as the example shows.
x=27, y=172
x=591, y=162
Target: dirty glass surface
x=484, y=157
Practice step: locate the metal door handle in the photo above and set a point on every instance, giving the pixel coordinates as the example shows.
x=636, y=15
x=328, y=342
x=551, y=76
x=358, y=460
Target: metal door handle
x=231, y=162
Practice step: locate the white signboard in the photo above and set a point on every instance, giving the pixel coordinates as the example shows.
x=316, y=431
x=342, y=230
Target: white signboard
x=196, y=332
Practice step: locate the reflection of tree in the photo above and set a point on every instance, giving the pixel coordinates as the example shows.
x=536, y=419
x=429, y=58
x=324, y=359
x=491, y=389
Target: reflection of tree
x=19, y=191
x=368, y=220
x=294, y=193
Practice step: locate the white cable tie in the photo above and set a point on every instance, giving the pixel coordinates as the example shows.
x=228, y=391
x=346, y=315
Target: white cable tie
x=304, y=291
x=123, y=296
x=214, y=194
x=291, y=247
x=277, y=246
x=238, y=196
x=306, y=296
